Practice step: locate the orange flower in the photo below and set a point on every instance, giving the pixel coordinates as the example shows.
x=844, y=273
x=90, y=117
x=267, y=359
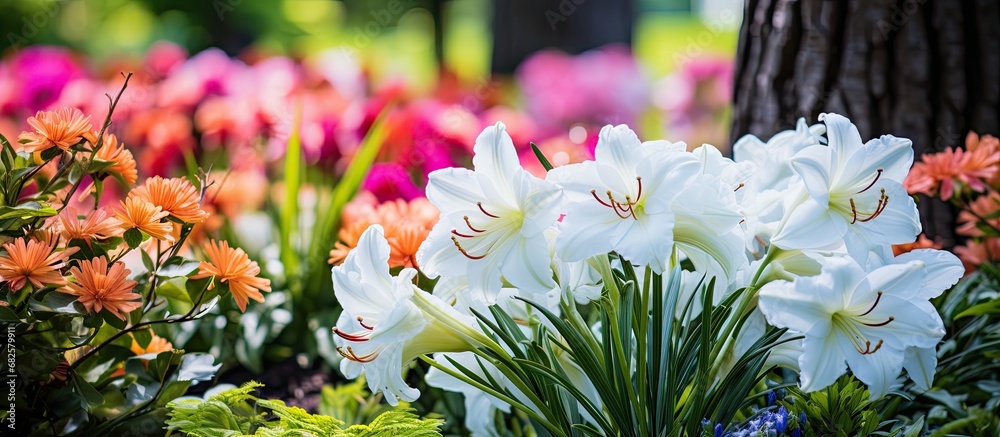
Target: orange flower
x=61, y=128
x=922, y=243
x=406, y=225
x=176, y=196
x=233, y=266
x=984, y=206
x=99, y=225
x=404, y=241
x=348, y=237
x=123, y=162
x=99, y=288
x=37, y=262
x=156, y=345
x=137, y=213
x=937, y=173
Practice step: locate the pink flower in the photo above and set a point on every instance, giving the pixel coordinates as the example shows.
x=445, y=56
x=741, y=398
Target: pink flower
x=937, y=173
x=984, y=206
x=210, y=72
x=41, y=72
x=601, y=86
x=163, y=57
x=973, y=254
x=390, y=181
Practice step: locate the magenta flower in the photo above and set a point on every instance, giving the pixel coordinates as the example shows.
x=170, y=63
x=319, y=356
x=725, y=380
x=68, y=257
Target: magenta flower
x=390, y=181
x=41, y=73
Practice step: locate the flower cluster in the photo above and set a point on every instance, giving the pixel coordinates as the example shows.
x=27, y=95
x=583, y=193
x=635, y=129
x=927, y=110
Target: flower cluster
x=797, y=232
x=83, y=279
x=969, y=179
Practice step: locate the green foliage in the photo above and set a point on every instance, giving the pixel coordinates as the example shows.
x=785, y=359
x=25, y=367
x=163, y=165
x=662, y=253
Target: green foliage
x=353, y=403
x=238, y=412
x=655, y=364
x=842, y=409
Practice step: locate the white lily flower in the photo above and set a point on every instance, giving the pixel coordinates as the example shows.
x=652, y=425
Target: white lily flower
x=773, y=157
x=852, y=192
x=941, y=268
x=632, y=198
x=864, y=320
x=387, y=321
x=492, y=220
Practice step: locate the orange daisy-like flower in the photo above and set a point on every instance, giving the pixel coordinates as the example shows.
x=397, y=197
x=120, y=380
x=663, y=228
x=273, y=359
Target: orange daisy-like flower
x=37, y=262
x=973, y=142
x=406, y=225
x=176, y=196
x=404, y=241
x=136, y=213
x=61, y=128
x=99, y=288
x=233, y=266
x=98, y=225
x=123, y=162
x=938, y=173
x=156, y=345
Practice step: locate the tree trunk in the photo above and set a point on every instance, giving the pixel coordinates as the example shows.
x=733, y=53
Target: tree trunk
x=928, y=70
x=522, y=27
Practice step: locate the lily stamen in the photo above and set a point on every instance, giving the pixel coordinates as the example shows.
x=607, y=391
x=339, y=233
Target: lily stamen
x=624, y=209
x=883, y=201
x=455, y=232
x=350, y=355
x=876, y=325
x=877, y=299
x=868, y=347
x=361, y=322
x=878, y=174
x=467, y=254
x=480, y=205
x=469, y=224
x=741, y=185
x=358, y=336
x=594, y=193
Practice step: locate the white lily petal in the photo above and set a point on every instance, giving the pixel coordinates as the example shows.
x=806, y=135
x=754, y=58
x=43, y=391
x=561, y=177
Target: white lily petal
x=810, y=225
x=942, y=269
x=822, y=362
x=528, y=266
x=877, y=370
x=921, y=364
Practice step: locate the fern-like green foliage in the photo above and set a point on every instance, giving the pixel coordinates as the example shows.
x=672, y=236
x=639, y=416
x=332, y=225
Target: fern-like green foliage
x=842, y=409
x=352, y=403
x=238, y=412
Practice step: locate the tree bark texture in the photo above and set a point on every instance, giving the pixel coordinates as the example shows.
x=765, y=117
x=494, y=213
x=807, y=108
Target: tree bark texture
x=928, y=70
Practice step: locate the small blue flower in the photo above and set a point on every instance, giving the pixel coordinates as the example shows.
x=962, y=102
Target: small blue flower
x=781, y=419
x=718, y=430
x=772, y=397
